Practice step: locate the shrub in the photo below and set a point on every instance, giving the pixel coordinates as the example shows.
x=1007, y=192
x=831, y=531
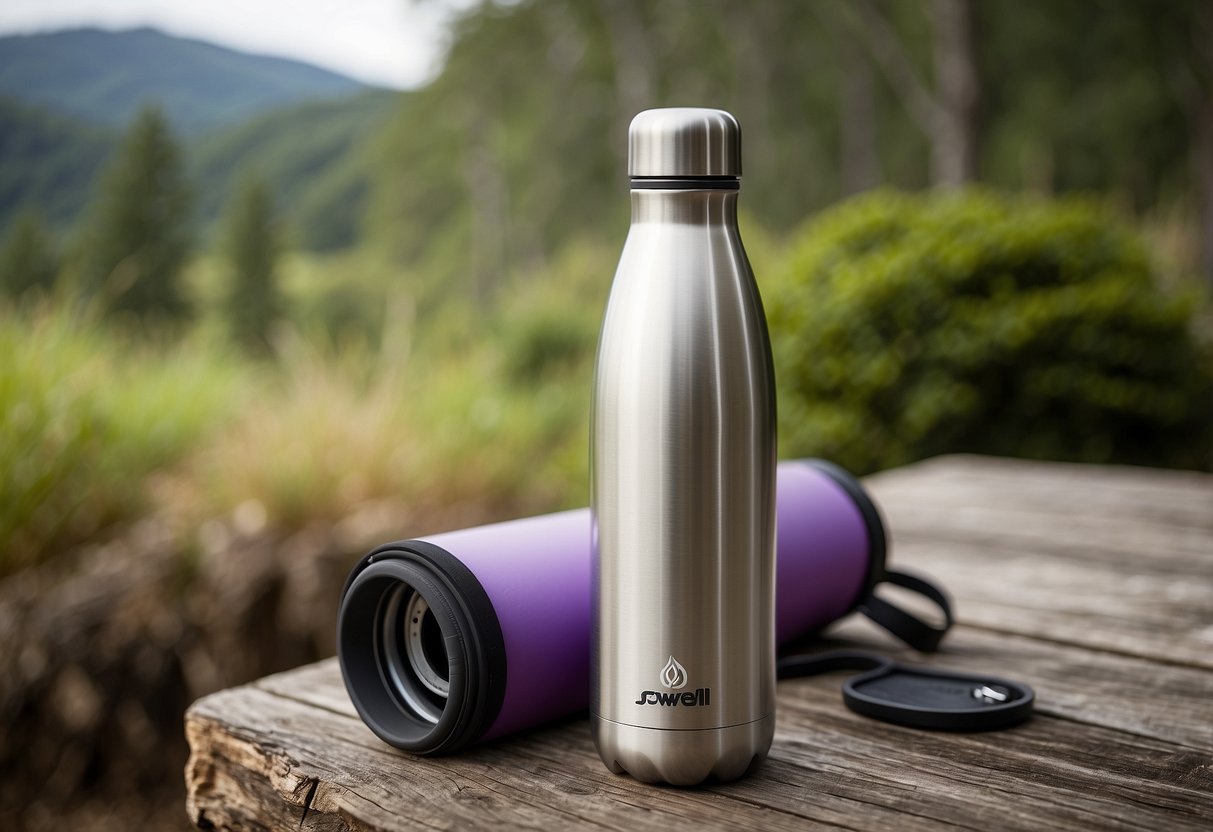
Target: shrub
x=548, y=320
x=911, y=325
x=543, y=341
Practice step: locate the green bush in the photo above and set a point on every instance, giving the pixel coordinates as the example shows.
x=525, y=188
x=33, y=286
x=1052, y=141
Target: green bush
x=910, y=325
x=545, y=341
x=546, y=322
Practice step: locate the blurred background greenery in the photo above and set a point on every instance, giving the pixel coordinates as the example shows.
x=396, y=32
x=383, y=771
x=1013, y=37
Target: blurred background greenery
x=248, y=299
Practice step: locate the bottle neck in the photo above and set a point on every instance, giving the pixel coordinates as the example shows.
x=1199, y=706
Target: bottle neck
x=684, y=206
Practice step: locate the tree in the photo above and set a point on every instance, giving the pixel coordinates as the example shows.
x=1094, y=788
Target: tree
x=28, y=259
x=251, y=243
x=1108, y=95
x=945, y=110
x=859, y=159
x=1193, y=79
x=138, y=238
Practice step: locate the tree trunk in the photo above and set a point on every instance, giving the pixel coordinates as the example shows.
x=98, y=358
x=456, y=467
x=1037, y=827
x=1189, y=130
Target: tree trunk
x=1201, y=108
x=486, y=191
x=1203, y=163
x=946, y=110
x=858, y=156
x=747, y=28
x=953, y=125
x=633, y=61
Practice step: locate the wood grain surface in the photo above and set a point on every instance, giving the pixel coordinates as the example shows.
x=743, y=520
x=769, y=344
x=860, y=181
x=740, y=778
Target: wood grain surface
x=1093, y=584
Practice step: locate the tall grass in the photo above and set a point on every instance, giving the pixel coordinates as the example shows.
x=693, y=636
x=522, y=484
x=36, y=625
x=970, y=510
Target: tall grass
x=462, y=413
x=86, y=417
x=475, y=414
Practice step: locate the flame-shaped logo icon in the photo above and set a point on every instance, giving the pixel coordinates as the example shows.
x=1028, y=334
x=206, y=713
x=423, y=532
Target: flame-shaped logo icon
x=673, y=675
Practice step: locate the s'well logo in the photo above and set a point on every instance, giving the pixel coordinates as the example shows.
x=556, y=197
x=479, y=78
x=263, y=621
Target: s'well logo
x=674, y=677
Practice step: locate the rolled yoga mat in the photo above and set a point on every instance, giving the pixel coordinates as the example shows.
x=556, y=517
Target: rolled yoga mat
x=468, y=635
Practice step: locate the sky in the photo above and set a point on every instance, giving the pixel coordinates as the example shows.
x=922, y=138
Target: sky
x=394, y=43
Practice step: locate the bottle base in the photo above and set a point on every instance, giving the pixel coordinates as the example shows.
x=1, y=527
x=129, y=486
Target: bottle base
x=682, y=757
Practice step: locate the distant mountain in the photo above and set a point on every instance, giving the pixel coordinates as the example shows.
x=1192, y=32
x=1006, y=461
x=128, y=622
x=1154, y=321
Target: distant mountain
x=48, y=162
x=302, y=129
x=105, y=77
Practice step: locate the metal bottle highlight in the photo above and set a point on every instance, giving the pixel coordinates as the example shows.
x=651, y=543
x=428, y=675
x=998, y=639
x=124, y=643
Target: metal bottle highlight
x=683, y=482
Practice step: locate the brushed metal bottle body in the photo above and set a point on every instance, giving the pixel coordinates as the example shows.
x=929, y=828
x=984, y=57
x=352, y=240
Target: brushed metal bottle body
x=683, y=467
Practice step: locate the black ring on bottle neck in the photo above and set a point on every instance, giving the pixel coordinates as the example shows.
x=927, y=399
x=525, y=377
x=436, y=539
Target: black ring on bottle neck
x=686, y=183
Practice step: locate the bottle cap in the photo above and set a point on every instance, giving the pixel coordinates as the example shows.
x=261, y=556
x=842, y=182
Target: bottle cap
x=918, y=697
x=679, y=142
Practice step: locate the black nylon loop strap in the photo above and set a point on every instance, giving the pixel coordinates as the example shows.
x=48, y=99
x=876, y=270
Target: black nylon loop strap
x=813, y=664
x=911, y=629
x=916, y=697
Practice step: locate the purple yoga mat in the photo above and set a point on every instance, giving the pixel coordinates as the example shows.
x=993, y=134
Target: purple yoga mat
x=511, y=602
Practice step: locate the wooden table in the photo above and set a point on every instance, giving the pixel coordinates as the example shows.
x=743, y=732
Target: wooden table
x=1093, y=584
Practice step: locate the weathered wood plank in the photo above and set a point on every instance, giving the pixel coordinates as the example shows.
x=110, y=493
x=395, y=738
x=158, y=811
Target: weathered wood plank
x=1136, y=696
x=1094, y=585
x=363, y=783
x=1100, y=606
x=1149, y=699
x=828, y=765
x=1142, y=491
x=1120, y=540
x=1096, y=522
x=1165, y=702
x=1116, y=559
x=1048, y=773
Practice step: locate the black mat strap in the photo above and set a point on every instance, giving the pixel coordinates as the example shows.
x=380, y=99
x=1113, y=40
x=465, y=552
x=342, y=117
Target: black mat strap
x=813, y=664
x=911, y=629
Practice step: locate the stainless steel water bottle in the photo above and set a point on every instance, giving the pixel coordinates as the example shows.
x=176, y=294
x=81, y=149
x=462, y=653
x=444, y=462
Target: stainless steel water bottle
x=683, y=483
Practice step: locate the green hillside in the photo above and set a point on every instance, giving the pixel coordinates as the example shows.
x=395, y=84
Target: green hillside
x=313, y=156
x=105, y=77
x=47, y=162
